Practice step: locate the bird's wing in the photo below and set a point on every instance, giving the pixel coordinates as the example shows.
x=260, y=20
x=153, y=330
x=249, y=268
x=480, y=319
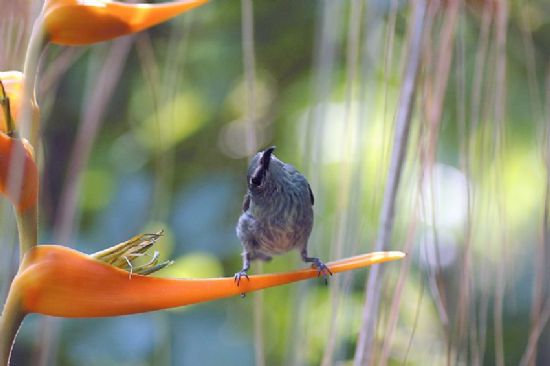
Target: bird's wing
x=246, y=202
x=311, y=195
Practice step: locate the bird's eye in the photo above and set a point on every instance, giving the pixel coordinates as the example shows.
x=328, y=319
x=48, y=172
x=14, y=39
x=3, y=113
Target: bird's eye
x=256, y=181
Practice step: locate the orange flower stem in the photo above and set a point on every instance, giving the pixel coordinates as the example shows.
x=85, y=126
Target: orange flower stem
x=58, y=281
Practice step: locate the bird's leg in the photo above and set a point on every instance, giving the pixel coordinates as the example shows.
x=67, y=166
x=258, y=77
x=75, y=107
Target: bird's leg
x=244, y=270
x=321, y=267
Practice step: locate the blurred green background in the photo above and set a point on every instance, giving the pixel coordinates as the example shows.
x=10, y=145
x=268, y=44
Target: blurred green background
x=153, y=132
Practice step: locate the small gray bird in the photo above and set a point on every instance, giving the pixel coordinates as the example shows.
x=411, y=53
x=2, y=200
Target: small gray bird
x=277, y=212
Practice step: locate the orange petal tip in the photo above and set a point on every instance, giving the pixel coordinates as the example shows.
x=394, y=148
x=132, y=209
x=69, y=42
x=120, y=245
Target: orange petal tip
x=82, y=22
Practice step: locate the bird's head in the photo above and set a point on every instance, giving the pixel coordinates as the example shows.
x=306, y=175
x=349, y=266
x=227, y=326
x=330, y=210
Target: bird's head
x=259, y=170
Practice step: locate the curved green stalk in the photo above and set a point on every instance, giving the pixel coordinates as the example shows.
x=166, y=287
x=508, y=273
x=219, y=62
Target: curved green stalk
x=27, y=226
x=30, y=127
x=10, y=321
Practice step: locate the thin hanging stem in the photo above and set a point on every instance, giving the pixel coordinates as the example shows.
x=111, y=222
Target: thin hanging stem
x=249, y=61
x=349, y=152
x=540, y=291
x=365, y=343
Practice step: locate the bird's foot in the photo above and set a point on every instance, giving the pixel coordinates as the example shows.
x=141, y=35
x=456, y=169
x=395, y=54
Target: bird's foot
x=239, y=275
x=322, y=269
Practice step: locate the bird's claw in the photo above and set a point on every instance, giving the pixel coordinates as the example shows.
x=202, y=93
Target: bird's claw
x=322, y=269
x=239, y=275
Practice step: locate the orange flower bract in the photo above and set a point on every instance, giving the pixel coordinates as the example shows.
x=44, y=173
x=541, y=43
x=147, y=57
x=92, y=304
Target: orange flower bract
x=81, y=22
x=18, y=172
x=12, y=82
x=58, y=281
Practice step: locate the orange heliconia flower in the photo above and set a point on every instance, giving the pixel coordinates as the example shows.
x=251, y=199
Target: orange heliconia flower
x=59, y=281
x=81, y=22
x=18, y=172
x=13, y=81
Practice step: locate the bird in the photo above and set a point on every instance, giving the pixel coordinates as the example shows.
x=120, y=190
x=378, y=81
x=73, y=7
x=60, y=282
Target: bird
x=277, y=213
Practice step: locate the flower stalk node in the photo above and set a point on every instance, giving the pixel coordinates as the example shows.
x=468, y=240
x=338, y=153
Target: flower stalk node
x=5, y=103
x=12, y=102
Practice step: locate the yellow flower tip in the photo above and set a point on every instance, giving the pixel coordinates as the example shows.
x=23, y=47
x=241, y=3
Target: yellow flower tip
x=364, y=260
x=18, y=172
x=81, y=22
x=125, y=255
x=13, y=82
